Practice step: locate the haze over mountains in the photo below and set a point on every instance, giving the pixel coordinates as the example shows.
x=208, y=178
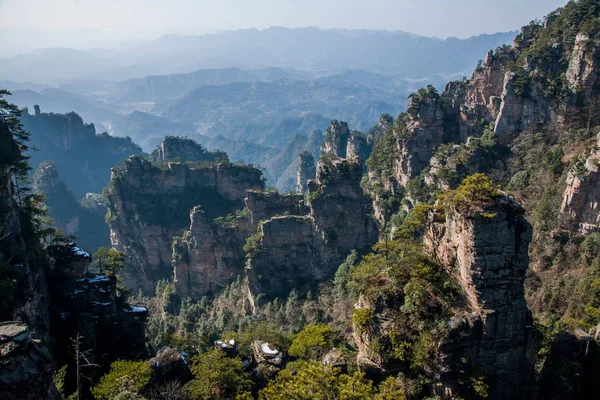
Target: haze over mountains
x=238, y=87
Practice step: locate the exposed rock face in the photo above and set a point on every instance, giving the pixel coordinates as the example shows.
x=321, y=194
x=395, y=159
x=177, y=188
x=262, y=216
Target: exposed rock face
x=263, y=205
x=489, y=258
x=207, y=258
x=571, y=370
x=22, y=361
x=312, y=246
x=582, y=74
x=149, y=206
x=340, y=208
x=183, y=149
x=418, y=136
x=292, y=255
x=385, y=122
x=85, y=302
x=306, y=170
x=82, y=156
x=69, y=214
x=74, y=261
x=581, y=200
x=343, y=143
x=170, y=365
x=26, y=362
x=336, y=139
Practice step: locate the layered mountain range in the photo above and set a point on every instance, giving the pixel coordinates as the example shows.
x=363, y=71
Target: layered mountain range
x=450, y=252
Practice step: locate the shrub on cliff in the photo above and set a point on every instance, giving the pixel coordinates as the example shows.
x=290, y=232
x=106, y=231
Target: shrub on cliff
x=125, y=377
x=218, y=377
x=418, y=296
x=475, y=193
x=313, y=342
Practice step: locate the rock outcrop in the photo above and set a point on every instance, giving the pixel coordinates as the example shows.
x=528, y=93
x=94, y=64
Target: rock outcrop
x=343, y=143
x=149, y=206
x=487, y=253
x=182, y=149
x=298, y=251
x=26, y=346
x=89, y=304
x=571, y=369
x=581, y=199
x=208, y=257
x=306, y=170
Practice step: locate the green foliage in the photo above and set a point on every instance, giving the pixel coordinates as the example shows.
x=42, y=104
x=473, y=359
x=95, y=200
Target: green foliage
x=489, y=139
x=313, y=381
x=8, y=290
x=519, y=180
x=109, y=261
x=218, y=377
x=414, y=224
x=253, y=243
x=551, y=47
x=474, y=195
x=313, y=342
x=59, y=380
x=264, y=331
x=363, y=318
x=124, y=377
x=344, y=274
x=554, y=157
x=418, y=295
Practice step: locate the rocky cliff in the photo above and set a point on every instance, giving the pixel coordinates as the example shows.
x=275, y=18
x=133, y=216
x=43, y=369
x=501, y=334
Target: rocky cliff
x=89, y=304
x=312, y=241
x=548, y=80
x=487, y=253
x=581, y=199
x=149, y=205
x=208, y=256
x=182, y=149
x=84, y=220
x=26, y=346
x=343, y=143
x=81, y=156
x=306, y=170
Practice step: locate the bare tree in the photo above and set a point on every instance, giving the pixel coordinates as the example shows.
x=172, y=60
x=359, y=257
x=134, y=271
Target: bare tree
x=82, y=361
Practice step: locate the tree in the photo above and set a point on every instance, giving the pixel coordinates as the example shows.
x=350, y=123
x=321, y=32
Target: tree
x=218, y=377
x=475, y=193
x=81, y=361
x=124, y=380
x=109, y=261
x=10, y=116
x=313, y=342
x=312, y=380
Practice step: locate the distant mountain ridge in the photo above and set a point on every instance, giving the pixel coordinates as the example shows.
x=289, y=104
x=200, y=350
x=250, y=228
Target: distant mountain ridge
x=163, y=87
x=398, y=53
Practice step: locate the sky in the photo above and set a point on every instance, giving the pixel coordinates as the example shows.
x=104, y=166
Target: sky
x=136, y=18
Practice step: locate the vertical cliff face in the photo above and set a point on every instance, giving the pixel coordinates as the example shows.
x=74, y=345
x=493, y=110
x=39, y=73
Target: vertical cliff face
x=181, y=149
x=304, y=248
x=288, y=254
x=343, y=143
x=418, y=134
x=336, y=139
x=339, y=206
x=207, y=257
x=487, y=253
x=26, y=365
x=149, y=205
x=306, y=170
x=581, y=199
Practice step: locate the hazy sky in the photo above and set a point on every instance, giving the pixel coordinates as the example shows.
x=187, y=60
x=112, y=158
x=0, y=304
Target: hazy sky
x=441, y=18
